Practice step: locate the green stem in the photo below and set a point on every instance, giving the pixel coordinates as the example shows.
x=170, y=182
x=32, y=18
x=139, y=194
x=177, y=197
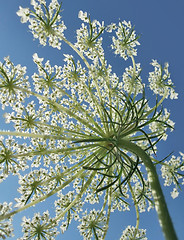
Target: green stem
x=77, y=51
x=25, y=134
x=108, y=212
x=160, y=203
x=157, y=105
x=58, y=150
x=78, y=197
x=59, y=107
x=89, y=68
x=136, y=207
x=136, y=210
x=133, y=77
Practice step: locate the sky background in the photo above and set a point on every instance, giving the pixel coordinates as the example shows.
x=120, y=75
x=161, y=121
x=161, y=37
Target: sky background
x=161, y=26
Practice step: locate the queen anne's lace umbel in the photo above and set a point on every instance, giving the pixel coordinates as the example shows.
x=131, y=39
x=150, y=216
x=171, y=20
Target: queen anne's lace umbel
x=130, y=233
x=125, y=41
x=160, y=82
x=83, y=134
x=44, y=22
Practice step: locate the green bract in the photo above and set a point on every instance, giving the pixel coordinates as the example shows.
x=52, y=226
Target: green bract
x=90, y=135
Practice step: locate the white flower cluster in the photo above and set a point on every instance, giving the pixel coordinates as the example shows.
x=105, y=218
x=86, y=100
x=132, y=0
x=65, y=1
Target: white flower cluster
x=173, y=172
x=8, y=162
x=62, y=203
x=45, y=23
x=24, y=14
x=132, y=82
x=31, y=187
x=126, y=41
x=90, y=195
x=106, y=80
x=39, y=227
x=12, y=79
x=46, y=80
x=129, y=233
x=74, y=78
x=160, y=82
x=120, y=200
x=91, y=223
x=88, y=37
x=25, y=119
x=83, y=16
x=158, y=126
x=6, y=229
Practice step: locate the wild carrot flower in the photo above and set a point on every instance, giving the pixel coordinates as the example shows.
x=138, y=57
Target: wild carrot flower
x=45, y=22
x=11, y=78
x=89, y=38
x=92, y=135
x=125, y=41
x=92, y=224
x=6, y=229
x=39, y=227
x=160, y=82
x=130, y=233
x=172, y=173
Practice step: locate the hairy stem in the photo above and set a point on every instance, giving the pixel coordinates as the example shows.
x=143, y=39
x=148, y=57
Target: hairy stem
x=160, y=203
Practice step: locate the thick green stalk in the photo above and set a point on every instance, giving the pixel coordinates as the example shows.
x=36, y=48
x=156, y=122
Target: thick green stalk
x=160, y=203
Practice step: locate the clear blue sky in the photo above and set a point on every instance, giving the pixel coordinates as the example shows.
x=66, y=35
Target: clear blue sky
x=161, y=25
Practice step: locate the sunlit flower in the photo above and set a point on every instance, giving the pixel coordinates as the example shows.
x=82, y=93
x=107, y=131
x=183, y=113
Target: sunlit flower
x=89, y=39
x=92, y=223
x=39, y=227
x=174, y=193
x=83, y=16
x=46, y=80
x=125, y=41
x=12, y=80
x=45, y=23
x=132, y=81
x=173, y=173
x=6, y=229
x=24, y=14
x=8, y=163
x=130, y=233
x=160, y=127
x=160, y=82
x=31, y=187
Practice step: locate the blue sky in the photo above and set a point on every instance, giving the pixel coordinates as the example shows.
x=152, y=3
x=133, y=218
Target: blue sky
x=160, y=24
